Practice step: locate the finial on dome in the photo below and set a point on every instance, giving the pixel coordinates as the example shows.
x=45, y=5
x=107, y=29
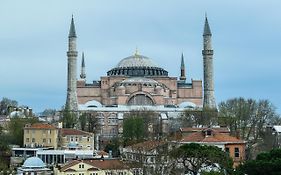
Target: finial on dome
x=137, y=51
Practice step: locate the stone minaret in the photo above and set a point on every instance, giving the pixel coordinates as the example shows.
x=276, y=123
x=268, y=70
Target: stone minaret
x=207, y=52
x=71, y=100
x=182, y=77
x=83, y=71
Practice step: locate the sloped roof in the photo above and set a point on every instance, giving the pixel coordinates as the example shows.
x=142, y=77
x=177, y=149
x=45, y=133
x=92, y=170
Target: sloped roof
x=190, y=129
x=200, y=136
x=40, y=126
x=69, y=131
x=277, y=128
x=147, y=145
x=105, y=164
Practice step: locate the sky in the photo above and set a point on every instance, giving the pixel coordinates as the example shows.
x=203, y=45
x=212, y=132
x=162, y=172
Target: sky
x=33, y=44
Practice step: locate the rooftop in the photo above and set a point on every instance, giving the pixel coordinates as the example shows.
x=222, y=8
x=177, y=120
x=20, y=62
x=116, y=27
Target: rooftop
x=103, y=164
x=148, y=145
x=40, y=126
x=69, y=131
x=215, y=136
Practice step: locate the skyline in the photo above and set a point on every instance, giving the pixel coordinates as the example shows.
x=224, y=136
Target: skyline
x=33, y=47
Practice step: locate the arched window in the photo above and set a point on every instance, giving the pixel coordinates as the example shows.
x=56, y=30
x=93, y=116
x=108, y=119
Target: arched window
x=140, y=99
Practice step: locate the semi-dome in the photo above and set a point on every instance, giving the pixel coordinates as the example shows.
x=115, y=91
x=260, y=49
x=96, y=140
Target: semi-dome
x=139, y=80
x=137, y=65
x=33, y=162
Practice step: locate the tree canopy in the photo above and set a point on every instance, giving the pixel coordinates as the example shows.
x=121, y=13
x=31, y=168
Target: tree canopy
x=5, y=104
x=195, y=157
x=268, y=163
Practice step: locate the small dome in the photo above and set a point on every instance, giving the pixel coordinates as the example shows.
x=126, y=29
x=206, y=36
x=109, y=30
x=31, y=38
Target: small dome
x=17, y=114
x=72, y=145
x=33, y=162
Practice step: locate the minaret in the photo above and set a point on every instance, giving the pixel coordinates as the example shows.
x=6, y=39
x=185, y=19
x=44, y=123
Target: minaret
x=83, y=71
x=71, y=100
x=207, y=52
x=182, y=77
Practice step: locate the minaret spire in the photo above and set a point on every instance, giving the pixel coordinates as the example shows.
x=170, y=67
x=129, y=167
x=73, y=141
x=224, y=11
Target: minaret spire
x=71, y=99
x=207, y=30
x=207, y=52
x=182, y=77
x=83, y=71
x=72, y=32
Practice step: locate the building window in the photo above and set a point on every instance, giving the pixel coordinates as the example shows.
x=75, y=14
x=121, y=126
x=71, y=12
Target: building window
x=50, y=140
x=44, y=140
x=76, y=139
x=27, y=139
x=236, y=152
x=71, y=139
x=88, y=139
x=209, y=132
x=33, y=140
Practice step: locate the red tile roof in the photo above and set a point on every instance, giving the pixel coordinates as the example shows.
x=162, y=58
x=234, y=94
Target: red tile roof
x=189, y=129
x=102, y=153
x=103, y=164
x=69, y=131
x=40, y=126
x=216, y=136
x=147, y=145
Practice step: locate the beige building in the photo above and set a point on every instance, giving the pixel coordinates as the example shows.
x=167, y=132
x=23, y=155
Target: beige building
x=40, y=135
x=96, y=167
x=75, y=139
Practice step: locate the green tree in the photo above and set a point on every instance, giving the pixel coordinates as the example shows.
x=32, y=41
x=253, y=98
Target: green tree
x=83, y=121
x=69, y=118
x=6, y=104
x=15, y=129
x=4, y=151
x=113, y=146
x=194, y=157
x=268, y=163
x=133, y=130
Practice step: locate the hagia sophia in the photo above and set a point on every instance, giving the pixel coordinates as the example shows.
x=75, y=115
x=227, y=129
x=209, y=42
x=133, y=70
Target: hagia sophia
x=137, y=83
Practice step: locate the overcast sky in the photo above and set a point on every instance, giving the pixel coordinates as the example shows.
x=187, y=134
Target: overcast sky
x=33, y=44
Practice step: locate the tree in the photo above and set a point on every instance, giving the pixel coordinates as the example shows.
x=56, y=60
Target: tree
x=15, y=129
x=133, y=130
x=268, y=163
x=6, y=104
x=69, y=118
x=113, y=146
x=199, y=117
x=83, y=121
x=195, y=157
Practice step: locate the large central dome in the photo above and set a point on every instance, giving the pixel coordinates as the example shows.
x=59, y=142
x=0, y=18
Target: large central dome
x=136, y=61
x=137, y=65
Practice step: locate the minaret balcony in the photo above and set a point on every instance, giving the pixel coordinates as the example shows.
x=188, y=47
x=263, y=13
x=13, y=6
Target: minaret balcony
x=72, y=53
x=207, y=52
